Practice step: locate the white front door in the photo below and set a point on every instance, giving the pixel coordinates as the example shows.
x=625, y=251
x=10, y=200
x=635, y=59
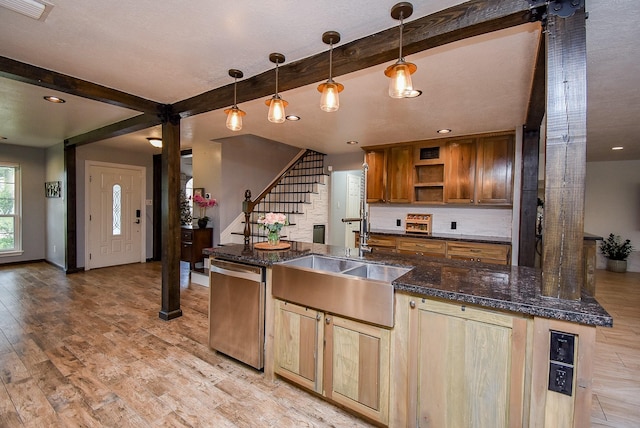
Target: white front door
x=115, y=220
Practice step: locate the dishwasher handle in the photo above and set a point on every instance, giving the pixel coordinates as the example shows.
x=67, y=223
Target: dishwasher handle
x=237, y=270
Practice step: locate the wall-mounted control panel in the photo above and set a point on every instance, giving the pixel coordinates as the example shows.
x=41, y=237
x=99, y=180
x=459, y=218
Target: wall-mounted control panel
x=561, y=362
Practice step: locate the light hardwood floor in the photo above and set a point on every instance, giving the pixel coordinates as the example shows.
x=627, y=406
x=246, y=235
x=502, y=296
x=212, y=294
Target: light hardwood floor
x=88, y=349
x=616, y=378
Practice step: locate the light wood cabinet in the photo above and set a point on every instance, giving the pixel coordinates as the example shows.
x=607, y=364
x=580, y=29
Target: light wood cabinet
x=494, y=182
x=344, y=360
x=357, y=366
x=376, y=175
x=468, y=365
x=399, y=174
x=479, y=252
x=461, y=170
x=422, y=247
x=480, y=170
x=299, y=337
x=389, y=174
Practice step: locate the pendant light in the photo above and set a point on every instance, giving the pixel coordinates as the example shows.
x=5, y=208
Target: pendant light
x=330, y=101
x=234, y=114
x=275, y=103
x=400, y=73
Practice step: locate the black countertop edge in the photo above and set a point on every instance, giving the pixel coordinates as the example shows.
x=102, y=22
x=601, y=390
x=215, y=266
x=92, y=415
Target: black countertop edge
x=509, y=288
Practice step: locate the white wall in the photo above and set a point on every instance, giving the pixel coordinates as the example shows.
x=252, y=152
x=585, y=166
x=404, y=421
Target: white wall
x=612, y=204
x=56, y=208
x=490, y=222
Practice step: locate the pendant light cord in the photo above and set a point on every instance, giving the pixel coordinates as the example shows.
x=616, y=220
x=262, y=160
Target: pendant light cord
x=235, y=86
x=331, y=61
x=277, y=96
x=401, y=31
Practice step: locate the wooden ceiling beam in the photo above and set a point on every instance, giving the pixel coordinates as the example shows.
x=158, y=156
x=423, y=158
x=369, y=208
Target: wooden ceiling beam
x=136, y=123
x=469, y=19
x=16, y=70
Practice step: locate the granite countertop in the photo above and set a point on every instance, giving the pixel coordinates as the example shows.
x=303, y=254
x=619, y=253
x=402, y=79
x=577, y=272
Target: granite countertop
x=442, y=236
x=508, y=288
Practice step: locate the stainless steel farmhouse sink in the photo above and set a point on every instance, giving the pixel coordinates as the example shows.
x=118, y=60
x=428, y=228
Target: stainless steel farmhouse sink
x=351, y=288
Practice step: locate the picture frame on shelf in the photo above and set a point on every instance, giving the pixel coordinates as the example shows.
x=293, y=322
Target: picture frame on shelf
x=198, y=191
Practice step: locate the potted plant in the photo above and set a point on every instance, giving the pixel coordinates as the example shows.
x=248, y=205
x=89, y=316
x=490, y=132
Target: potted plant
x=203, y=203
x=616, y=252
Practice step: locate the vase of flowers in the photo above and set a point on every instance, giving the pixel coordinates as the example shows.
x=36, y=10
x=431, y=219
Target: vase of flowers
x=203, y=204
x=273, y=223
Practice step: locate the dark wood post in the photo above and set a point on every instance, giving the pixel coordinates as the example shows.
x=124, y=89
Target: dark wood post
x=247, y=208
x=563, y=229
x=71, y=235
x=170, y=212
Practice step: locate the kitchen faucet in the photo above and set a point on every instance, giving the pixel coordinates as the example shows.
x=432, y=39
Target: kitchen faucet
x=363, y=247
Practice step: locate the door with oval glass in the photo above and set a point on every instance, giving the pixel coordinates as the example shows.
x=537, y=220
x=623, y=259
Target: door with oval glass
x=115, y=225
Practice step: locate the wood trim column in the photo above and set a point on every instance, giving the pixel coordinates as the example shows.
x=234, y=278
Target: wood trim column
x=563, y=228
x=170, y=216
x=71, y=235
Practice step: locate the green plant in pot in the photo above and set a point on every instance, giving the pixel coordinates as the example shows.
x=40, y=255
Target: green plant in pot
x=616, y=250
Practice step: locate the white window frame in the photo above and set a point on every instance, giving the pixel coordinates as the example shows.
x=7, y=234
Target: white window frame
x=17, y=214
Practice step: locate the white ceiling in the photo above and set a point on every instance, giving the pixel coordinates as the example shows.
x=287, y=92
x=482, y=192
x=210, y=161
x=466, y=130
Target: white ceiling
x=170, y=51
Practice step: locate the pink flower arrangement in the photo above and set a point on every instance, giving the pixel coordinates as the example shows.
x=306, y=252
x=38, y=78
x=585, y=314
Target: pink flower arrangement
x=273, y=222
x=204, y=203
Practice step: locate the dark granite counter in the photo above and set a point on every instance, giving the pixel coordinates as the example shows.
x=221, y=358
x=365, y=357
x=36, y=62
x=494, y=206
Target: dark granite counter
x=507, y=288
x=443, y=236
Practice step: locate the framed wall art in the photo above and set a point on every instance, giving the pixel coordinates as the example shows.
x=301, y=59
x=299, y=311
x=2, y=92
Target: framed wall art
x=53, y=189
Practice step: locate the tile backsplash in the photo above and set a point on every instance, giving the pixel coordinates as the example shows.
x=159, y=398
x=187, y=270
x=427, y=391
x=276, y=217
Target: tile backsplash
x=469, y=221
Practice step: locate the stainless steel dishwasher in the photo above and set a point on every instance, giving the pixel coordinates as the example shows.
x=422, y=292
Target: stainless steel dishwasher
x=236, y=311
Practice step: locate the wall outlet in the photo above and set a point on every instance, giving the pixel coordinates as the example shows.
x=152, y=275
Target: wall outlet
x=398, y=222
x=562, y=347
x=561, y=379
x=454, y=225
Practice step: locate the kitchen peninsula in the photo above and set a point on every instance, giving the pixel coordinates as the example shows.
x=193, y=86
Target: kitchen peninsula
x=471, y=344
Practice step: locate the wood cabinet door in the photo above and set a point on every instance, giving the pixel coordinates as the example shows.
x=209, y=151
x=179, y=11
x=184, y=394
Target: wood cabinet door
x=376, y=175
x=495, y=170
x=479, y=252
x=357, y=366
x=460, y=171
x=469, y=364
x=298, y=345
x=399, y=174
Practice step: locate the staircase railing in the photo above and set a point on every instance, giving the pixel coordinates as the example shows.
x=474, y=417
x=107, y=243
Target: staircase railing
x=248, y=205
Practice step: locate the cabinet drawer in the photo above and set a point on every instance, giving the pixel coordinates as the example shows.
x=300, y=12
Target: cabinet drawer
x=422, y=246
x=382, y=241
x=186, y=235
x=479, y=252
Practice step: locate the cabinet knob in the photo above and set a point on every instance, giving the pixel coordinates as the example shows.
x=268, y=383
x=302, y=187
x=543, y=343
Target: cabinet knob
x=327, y=320
x=318, y=317
x=412, y=304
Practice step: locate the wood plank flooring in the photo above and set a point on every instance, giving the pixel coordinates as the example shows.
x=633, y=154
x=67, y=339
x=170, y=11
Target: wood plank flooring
x=616, y=377
x=88, y=349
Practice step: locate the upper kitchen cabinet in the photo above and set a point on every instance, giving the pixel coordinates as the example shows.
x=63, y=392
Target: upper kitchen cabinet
x=480, y=170
x=428, y=177
x=494, y=183
x=389, y=174
x=376, y=175
x=471, y=170
x=461, y=171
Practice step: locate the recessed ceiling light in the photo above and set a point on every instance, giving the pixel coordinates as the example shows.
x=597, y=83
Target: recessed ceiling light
x=155, y=142
x=53, y=99
x=617, y=148
x=413, y=94
x=292, y=117
x=352, y=142
x=443, y=131
x=2, y=138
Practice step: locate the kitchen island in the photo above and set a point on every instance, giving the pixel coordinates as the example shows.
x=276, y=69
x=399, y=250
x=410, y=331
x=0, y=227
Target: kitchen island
x=471, y=344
